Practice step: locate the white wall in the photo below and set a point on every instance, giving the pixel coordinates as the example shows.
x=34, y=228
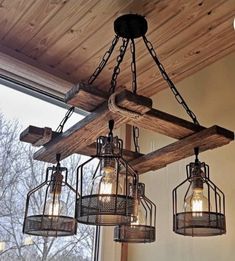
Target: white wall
x=211, y=95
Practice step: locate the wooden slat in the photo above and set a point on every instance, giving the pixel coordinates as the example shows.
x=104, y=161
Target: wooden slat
x=222, y=36
x=87, y=130
x=88, y=55
x=57, y=26
x=10, y=14
x=31, y=22
x=206, y=139
x=84, y=29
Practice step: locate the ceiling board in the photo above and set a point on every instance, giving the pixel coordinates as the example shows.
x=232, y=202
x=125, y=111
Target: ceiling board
x=67, y=38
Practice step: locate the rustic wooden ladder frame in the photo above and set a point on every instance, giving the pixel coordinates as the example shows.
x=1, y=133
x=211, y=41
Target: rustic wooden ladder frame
x=80, y=138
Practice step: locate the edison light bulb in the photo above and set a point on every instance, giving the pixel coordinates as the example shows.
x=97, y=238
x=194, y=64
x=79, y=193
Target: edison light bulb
x=55, y=206
x=108, y=184
x=196, y=202
x=139, y=219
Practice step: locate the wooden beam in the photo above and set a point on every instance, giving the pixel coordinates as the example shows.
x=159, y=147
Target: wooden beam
x=206, y=139
x=87, y=130
x=26, y=73
x=37, y=136
x=85, y=96
x=91, y=150
x=166, y=124
x=41, y=136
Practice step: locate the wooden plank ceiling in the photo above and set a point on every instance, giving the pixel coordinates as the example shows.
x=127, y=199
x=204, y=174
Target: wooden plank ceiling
x=67, y=38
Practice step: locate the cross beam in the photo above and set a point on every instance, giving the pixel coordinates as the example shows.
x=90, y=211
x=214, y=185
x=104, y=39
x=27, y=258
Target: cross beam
x=85, y=132
x=80, y=138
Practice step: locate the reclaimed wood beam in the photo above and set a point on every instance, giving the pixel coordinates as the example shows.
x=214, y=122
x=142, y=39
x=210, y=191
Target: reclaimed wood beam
x=85, y=96
x=166, y=124
x=37, y=136
x=41, y=136
x=91, y=150
x=88, y=129
x=206, y=139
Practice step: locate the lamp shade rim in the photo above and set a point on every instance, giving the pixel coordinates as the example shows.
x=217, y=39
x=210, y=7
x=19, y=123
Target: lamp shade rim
x=205, y=224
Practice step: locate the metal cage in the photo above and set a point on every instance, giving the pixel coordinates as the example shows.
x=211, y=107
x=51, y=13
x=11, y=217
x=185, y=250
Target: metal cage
x=106, y=193
x=55, y=216
x=203, y=209
x=142, y=229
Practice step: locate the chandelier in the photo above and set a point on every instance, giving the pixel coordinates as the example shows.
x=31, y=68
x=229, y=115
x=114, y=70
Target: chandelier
x=142, y=228
x=203, y=203
x=107, y=197
x=53, y=218
x=107, y=189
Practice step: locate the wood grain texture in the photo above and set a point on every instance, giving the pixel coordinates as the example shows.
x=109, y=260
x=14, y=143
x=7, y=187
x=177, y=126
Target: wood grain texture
x=11, y=13
x=166, y=124
x=152, y=119
x=33, y=76
x=206, y=139
x=37, y=136
x=67, y=38
x=88, y=129
x=85, y=96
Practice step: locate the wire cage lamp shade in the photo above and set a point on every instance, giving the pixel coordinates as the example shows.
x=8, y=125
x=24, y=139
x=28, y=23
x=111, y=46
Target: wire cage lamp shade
x=107, y=192
x=143, y=228
x=50, y=207
x=203, y=203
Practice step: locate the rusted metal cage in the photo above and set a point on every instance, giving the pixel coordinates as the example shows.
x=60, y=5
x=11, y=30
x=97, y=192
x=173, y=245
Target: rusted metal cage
x=55, y=216
x=107, y=196
x=142, y=229
x=203, y=204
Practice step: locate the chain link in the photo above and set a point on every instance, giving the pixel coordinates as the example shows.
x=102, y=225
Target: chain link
x=133, y=67
x=103, y=61
x=136, y=135
x=136, y=131
x=116, y=70
x=66, y=117
x=165, y=76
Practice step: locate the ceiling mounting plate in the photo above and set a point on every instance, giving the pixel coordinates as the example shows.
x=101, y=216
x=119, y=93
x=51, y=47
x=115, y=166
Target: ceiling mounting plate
x=130, y=26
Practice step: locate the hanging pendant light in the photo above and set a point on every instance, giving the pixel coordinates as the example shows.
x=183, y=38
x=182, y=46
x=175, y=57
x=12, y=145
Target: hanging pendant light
x=203, y=204
x=53, y=217
x=107, y=193
x=142, y=228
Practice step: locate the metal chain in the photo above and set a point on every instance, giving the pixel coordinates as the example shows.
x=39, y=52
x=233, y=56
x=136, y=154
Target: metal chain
x=103, y=61
x=136, y=131
x=116, y=70
x=136, y=135
x=133, y=67
x=165, y=76
x=66, y=117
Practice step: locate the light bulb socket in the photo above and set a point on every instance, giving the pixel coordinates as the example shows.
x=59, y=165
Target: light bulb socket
x=56, y=182
x=197, y=183
x=140, y=190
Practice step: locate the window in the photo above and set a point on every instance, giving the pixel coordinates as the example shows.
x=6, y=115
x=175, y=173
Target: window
x=19, y=173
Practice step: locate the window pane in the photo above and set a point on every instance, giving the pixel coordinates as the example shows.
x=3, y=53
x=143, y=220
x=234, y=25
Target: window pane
x=19, y=173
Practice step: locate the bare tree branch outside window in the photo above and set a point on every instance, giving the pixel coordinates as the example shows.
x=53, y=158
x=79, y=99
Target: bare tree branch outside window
x=19, y=173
